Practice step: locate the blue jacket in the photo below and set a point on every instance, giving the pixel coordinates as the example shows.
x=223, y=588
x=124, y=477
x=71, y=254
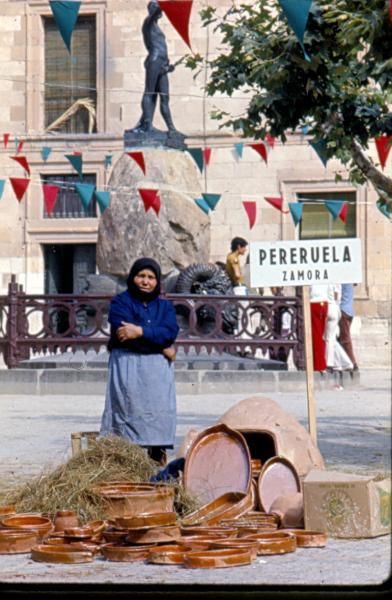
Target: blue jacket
x=157, y=317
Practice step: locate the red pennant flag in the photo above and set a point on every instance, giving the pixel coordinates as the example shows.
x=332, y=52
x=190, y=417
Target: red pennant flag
x=138, y=157
x=270, y=140
x=251, y=210
x=260, y=149
x=6, y=137
x=19, y=186
x=383, y=145
x=22, y=160
x=179, y=13
x=276, y=202
x=343, y=212
x=207, y=156
x=150, y=199
x=390, y=9
x=20, y=147
x=77, y=153
x=50, y=196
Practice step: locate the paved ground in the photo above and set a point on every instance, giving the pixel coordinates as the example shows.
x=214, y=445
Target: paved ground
x=354, y=428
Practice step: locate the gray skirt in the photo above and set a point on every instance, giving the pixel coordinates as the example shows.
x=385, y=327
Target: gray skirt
x=140, y=403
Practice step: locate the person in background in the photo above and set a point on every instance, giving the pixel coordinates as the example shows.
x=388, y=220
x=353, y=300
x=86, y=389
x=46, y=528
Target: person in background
x=346, y=318
x=233, y=268
x=318, y=314
x=281, y=327
x=140, y=403
x=337, y=359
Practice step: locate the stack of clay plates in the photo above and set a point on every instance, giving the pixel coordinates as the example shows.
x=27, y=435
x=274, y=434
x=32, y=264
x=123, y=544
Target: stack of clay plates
x=132, y=499
x=43, y=526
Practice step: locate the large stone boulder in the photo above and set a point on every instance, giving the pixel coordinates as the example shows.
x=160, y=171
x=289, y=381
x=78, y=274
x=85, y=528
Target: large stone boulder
x=177, y=238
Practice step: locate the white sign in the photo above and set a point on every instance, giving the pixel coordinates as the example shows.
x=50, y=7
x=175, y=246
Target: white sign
x=305, y=262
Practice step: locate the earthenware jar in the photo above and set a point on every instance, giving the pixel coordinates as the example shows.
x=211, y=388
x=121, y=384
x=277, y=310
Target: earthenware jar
x=64, y=519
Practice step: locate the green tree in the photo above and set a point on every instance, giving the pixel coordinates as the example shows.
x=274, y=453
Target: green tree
x=342, y=93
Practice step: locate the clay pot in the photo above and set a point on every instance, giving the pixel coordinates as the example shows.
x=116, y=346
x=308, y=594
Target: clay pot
x=28, y=521
x=17, y=541
x=131, y=500
x=124, y=553
x=289, y=509
x=63, y=553
x=213, y=559
x=64, y=519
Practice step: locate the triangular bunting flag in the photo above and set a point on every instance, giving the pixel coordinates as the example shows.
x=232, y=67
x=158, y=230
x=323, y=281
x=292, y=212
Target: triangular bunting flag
x=334, y=207
x=108, y=160
x=297, y=14
x=305, y=129
x=19, y=186
x=22, y=160
x=179, y=13
x=85, y=191
x=150, y=199
x=138, y=157
x=320, y=148
x=19, y=147
x=239, y=148
x=383, y=208
x=383, y=145
x=390, y=9
x=260, y=149
x=276, y=202
x=76, y=161
x=251, y=210
x=2, y=184
x=296, y=209
x=65, y=15
x=6, y=137
x=50, y=196
x=103, y=199
x=45, y=152
x=343, y=212
x=197, y=155
x=270, y=140
x=207, y=156
x=212, y=199
x=201, y=203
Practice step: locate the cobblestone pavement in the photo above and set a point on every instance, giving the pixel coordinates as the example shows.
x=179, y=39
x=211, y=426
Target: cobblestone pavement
x=354, y=434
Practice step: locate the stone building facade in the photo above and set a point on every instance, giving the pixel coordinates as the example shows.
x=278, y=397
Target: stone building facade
x=107, y=67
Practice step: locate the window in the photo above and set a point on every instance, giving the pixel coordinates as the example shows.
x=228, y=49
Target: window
x=68, y=204
x=318, y=223
x=70, y=77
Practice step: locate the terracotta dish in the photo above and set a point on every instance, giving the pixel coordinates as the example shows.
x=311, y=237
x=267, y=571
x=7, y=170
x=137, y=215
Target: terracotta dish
x=123, y=553
x=278, y=477
x=251, y=545
x=227, y=506
x=307, y=538
x=28, y=521
x=7, y=509
x=146, y=520
x=65, y=553
x=131, y=500
x=213, y=559
x=154, y=535
x=274, y=543
x=210, y=530
x=115, y=536
x=217, y=462
x=197, y=542
x=172, y=554
x=14, y=541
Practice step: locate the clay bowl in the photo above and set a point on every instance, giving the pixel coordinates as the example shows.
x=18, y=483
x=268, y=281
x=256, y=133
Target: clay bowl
x=63, y=553
x=147, y=520
x=171, y=554
x=251, y=545
x=274, y=543
x=7, y=510
x=307, y=538
x=154, y=535
x=115, y=536
x=64, y=519
x=132, y=500
x=213, y=559
x=28, y=521
x=17, y=541
x=197, y=542
x=210, y=531
x=226, y=506
x=97, y=527
x=123, y=553
x=60, y=541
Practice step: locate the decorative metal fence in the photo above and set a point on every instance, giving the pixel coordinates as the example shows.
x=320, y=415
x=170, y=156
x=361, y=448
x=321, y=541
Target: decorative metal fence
x=52, y=323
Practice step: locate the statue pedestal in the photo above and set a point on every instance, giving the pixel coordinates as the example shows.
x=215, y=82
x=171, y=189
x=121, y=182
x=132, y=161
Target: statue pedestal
x=154, y=138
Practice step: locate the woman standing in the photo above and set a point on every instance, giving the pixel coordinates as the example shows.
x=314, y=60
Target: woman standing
x=140, y=404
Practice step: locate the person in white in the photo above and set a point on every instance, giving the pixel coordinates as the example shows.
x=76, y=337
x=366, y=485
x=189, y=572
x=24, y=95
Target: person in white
x=336, y=357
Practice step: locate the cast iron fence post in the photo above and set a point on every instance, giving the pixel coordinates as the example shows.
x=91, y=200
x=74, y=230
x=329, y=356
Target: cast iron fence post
x=11, y=352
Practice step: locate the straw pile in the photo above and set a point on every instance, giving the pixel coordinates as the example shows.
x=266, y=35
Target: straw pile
x=68, y=487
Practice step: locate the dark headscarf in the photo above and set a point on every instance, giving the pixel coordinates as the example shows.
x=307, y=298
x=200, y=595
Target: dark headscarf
x=139, y=265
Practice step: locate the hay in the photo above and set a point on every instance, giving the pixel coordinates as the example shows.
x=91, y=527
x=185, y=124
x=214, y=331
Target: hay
x=68, y=487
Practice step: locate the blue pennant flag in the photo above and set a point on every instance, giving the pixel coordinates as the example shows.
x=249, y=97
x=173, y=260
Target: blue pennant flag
x=108, y=160
x=239, y=148
x=76, y=161
x=297, y=14
x=103, y=199
x=45, y=152
x=197, y=155
x=334, y=207
x=382, y=207
x=201, y=203
x=2, y=184
x=305, y=129
x=296, y=209
x=212, y=199
x=320, y=147
x=65, y=14
x=85, y=191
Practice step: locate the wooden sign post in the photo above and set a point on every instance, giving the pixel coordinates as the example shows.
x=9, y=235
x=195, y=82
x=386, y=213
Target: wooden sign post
x=305, y=263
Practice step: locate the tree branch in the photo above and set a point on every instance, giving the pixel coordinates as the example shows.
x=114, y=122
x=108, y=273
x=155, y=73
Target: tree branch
x=381, y=183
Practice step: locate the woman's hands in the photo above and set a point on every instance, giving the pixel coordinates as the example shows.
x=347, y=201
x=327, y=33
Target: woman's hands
x=169, y=353
x=129, y=331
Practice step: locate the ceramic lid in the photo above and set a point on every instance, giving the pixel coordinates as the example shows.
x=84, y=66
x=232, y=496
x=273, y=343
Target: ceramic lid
x=217, y=462
x=278, y=477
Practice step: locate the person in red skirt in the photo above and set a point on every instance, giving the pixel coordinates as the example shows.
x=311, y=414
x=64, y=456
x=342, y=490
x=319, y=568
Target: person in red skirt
x=318, y=313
